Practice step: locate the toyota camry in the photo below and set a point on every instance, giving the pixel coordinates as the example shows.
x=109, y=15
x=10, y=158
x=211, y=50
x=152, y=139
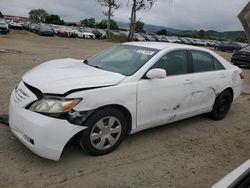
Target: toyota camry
x=120, y=91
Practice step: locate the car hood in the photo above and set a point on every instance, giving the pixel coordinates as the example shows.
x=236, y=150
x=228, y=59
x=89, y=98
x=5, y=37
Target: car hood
x=63, y=75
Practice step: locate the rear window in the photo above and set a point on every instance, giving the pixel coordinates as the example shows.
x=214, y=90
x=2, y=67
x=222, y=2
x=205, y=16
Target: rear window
x=202, y=62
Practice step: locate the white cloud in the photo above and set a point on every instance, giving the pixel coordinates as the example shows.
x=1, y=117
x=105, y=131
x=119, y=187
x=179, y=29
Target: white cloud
x=181, y=14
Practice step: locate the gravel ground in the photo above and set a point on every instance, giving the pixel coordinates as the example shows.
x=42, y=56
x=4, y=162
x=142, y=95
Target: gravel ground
x=195, y=152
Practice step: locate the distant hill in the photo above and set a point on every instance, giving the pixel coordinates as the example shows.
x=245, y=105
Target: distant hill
x=239, y=36
x=151, y=28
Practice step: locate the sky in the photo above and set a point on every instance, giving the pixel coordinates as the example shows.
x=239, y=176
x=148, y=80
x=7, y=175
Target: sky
x=219, y=15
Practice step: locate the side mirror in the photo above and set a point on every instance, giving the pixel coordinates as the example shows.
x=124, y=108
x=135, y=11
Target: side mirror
x=156, y=74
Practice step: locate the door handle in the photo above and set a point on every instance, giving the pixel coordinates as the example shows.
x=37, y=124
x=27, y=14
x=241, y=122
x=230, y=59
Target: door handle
x=187, y=82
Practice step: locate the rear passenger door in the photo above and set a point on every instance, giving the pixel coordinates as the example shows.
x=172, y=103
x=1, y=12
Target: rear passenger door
x=209, y=77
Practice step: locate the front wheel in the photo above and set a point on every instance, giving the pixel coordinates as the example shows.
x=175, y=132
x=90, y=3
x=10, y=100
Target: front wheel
x=106, y=130
x=222, y=105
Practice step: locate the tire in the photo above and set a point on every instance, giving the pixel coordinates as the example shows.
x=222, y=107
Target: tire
x=222, y=105
x=106, y=129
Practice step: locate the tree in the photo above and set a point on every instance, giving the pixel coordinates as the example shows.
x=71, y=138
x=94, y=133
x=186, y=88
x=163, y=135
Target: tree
x=88, y=22
x=162, y=32
x=38, y=15
x=111, y=6
x=1, y=15
x=139, y=26
x=201, y=34
x=103, y=24
x=54, y=19
x=137, y=5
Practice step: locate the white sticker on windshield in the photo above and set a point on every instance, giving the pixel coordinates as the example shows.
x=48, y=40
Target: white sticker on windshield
x=146, y=52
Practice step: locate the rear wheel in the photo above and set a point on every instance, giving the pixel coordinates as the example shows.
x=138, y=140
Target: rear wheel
x=106, y=130
x=222, y=105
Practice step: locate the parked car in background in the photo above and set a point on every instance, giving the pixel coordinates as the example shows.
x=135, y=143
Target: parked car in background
x=45, y=30
x=16, y=25
x=123, y=90
x=173, y=39
x=228, y=46
x=4, y=27
x=150, y=38
x=238, y=178
x=100, y=33
x=124, y=33
x=55, y=28
x=138, y=37
x=114, y=33
x=241, y=57
x=163, y=38
x=32, y=26
x=185, y=41
x=85, y=35
x=66, y=32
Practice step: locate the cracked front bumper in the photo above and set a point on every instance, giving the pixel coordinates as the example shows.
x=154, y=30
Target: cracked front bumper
x=45, y=136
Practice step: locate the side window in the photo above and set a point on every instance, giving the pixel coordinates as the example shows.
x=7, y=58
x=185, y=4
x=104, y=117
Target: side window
x=218, y=65
x=202, y=61
x=175, y=63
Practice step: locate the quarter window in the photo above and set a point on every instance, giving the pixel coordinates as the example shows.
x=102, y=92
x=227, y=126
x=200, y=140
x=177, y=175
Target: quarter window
x=218, y=65
x=175, y=63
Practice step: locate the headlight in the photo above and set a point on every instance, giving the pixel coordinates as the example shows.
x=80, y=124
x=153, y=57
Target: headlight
x=54, y=105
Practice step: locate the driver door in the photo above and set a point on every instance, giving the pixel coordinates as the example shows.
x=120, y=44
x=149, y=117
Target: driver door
x=164, y=100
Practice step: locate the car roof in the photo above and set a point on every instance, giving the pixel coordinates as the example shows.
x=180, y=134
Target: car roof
x=162, y=45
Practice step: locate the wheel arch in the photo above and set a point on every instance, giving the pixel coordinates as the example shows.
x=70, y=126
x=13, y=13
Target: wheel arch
x=230, y=90
x=121, y=108
x=227, y=89
x=124, y=110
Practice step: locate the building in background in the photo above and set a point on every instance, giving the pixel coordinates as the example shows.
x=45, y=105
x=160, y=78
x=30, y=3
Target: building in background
x=16, y=18
x=244, y=17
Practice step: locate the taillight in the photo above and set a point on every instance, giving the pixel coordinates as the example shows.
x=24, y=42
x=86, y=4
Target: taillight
x=242, y=76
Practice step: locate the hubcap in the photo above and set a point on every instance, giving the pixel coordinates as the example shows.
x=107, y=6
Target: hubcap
x=105, y=133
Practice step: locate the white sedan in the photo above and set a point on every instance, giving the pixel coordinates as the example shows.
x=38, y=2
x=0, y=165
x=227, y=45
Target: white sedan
x=238, y=178
x=85, y=35
x=123, y=90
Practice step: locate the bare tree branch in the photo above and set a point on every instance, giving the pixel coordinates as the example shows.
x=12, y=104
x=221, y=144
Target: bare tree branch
x=137, y=5
x=111, y=6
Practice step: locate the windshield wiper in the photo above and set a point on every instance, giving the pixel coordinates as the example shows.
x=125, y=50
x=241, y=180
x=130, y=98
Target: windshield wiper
x=87, y=63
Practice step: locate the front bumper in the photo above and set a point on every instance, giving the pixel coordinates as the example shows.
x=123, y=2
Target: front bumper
x=43, y=135
x=4, y=30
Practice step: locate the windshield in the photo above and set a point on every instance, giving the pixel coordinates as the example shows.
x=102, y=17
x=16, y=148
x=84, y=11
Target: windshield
x=123, y=59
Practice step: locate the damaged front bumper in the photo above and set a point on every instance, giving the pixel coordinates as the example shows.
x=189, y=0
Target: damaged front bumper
x=45, y=136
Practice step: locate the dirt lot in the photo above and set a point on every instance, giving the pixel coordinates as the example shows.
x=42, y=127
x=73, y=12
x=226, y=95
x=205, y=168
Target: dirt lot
x=192, y=153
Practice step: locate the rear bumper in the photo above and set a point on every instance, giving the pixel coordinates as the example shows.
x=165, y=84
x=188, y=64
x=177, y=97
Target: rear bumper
x=43, y=135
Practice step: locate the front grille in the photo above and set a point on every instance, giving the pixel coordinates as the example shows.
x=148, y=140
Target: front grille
x=20, y=96
x=243, y=55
